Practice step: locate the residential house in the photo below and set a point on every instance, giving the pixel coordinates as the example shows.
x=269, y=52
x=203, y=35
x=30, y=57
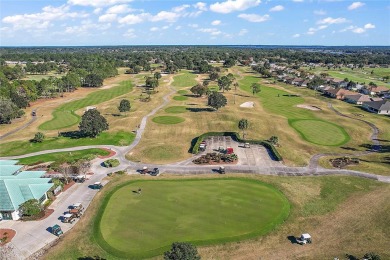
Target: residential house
x=358, y=99
x=378, y=107
x=304, y=83
x=338, y=83
x=338, y=93
x=378, y=90
x=358, y=87
x=18, y=186
x=297, y=81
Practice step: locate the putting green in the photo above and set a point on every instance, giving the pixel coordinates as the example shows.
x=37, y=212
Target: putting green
x=168, y=120
x=176, y=109
x=180, y=98
x=202, y=211
x=320, y=132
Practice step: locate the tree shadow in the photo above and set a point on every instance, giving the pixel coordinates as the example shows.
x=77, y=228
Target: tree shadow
x=376, y=148
x=348, y=148
x=91, y=258
x=72, y=134
x=200, y=109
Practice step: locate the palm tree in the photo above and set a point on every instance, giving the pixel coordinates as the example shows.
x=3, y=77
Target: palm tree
x=243, y=125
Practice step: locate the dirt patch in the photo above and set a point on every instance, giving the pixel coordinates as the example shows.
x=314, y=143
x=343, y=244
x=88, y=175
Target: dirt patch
x=112, y=153
x=313, y=108
x=248, y=104
x=48, y=212
x=6, y=235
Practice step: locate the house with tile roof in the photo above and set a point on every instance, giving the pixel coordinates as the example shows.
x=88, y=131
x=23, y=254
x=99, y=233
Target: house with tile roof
x=358, y=99
x=378, y=107
x=18, y=186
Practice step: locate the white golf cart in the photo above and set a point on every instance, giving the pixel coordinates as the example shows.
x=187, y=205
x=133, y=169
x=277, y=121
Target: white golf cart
x=304, y=239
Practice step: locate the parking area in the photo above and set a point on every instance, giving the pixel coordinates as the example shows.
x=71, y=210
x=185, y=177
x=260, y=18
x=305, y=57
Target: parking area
x=255, y=155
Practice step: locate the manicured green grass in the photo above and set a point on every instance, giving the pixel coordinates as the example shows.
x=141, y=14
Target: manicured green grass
x=180, y=98
x=184, y=79
x=176, y=109
x=25, y=147
x=320, y=132
x=168, y=120
x=282, y=103
x=202, y=211
x=63, y=156
x=64, y=116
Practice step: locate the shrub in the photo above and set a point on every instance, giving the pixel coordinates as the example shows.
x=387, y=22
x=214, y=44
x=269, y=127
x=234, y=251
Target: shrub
x=111, y=163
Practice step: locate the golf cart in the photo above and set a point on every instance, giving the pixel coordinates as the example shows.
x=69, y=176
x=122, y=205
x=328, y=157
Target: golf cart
x=97, y=186
x=221, y=170
x=79, y=178
x=247, y=145
x=56, y=230
x=76, y=210
x=68, y=218
x=144, y=170
x=304, y=239
x=154, y=172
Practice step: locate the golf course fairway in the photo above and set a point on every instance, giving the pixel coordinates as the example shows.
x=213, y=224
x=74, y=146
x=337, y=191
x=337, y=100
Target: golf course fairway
x=201, y=211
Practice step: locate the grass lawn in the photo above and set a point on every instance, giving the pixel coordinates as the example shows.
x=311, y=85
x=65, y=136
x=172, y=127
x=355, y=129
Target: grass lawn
x=168, y=120
x=212, y=214
x=182, y=92
x=320, y=132
x=378, y=163
x=304, y=121
x=63, y=156
x=64, y=116
x=184, y=79
x=25, y=147
x=176, y=109
x=180, y=98
x=39, y=77
x=343, y=214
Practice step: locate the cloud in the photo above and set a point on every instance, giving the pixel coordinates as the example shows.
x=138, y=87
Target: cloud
x=254, y=18
x=97, y=10
x=319, y=12
x=313, y=30
x=181, y=8
x=277, y=8
x=107, y=18
x=43, y=19
x=233, y=5
x=355, y=5
x=178, y=27
x=85, y=28
x=297, y=35
x=193, y=25
x=242, y=32
x=211, y=31
x=154, y=29
x=369, y=26
x=165, y=16
x=129, y=34
x=216, y=22
x=358, y=30
x=201, y=6
x=330, y=20
x=297, y=1
x=119, y=9
x=97, y=3
x=133, y=18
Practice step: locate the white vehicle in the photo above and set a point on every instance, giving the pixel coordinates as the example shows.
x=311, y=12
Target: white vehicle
x=304, y=239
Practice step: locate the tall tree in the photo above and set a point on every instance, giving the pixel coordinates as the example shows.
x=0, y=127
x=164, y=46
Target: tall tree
x=92, y=123
x=216, y=100
x=243, y=125
x=255, y=88
x=124, y=105
x=199, y=90
x=224, y=83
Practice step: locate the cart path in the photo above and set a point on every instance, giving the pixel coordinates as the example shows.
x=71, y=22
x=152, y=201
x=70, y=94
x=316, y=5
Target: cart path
x=32, y=120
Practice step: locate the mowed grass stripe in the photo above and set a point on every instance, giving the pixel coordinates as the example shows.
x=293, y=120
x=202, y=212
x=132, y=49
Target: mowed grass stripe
x=320, y=132
x=131, y=225
x=184, y=79
x=64, y=116
x=168, y=120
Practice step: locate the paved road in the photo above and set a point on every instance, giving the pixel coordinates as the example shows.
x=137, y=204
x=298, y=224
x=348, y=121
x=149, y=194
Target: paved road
x=32, y=236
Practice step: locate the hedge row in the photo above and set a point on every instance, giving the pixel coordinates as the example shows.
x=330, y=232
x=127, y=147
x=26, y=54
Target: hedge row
x=236, y=137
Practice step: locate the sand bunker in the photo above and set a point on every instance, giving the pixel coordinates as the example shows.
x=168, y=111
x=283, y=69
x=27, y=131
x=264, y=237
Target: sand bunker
x=314, y=108
x=247, y=104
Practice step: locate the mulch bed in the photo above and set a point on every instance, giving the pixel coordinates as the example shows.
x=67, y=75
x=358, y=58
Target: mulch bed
x=67, y=186
x=112, y=153
x=48, y=212
x=6, y=232
x=343, y=162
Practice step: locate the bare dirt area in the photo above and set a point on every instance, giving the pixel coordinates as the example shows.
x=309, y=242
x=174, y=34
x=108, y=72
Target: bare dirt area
x=309, y=107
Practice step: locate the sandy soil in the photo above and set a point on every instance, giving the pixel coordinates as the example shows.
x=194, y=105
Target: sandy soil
x=249, y=104
x=314, y=108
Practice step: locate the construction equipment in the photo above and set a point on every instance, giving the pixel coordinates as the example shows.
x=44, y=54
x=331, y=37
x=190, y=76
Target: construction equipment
x=68, y=218
x=56, y=230
x=304, y=239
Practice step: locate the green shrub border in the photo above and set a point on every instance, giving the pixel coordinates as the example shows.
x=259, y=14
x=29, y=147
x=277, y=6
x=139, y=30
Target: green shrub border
x=99, y=239
x=236, y=137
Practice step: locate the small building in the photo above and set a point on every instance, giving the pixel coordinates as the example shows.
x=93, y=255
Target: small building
x=378, y=107
x=359, y=99
x=338, y=93
x=18, y=186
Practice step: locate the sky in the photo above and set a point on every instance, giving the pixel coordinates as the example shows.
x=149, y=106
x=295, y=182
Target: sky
x=175, y=22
